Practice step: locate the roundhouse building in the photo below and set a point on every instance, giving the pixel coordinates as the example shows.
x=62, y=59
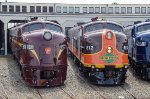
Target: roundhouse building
x=67, y=15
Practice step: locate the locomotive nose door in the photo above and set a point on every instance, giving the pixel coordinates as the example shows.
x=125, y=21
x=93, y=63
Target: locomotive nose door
x=46, y=53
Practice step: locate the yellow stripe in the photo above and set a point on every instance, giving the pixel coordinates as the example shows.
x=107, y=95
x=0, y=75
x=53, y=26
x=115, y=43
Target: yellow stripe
x=59, y=53
x=33, y=51
x=103, y=66
x=35, y=54
x=15, y=41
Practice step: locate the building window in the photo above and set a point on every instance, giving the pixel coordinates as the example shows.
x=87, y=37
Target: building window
x=32, y=9
x=91, y=10
x=71, y=9
x=110, y=10
x=77, y=10
x=84, y=9
x=97, y=9
x=58, y=9
x=11, y=8
x=137, y=10
x=51, y=9
x=143, y=10
x=129, y=10
x=4, y=8
x=103, y=9
x=24, y=9
x=38, y=8
x=17, y=8
x=148, y=10
x=64, y=9
x=44, y=8
x=123, y=10
x=117, y=10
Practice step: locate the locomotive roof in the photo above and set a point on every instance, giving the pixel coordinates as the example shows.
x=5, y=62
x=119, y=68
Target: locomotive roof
x=141, y=24
x=92, y=22
x=38, y=21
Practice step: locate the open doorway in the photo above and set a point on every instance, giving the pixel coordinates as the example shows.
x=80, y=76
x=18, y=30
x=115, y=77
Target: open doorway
x=2, y=38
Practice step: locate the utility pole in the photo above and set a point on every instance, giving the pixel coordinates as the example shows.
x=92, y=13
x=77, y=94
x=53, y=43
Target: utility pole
x=5, y=0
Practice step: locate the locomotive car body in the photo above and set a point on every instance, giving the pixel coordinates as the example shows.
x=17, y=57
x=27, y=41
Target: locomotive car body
x=40, y=49
x=100, y=49
x=139, y=53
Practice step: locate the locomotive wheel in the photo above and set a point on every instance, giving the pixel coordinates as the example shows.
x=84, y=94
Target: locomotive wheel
x=130, y=61
x=22, y=74
x=86, y=73
x=81, y=68
x=14, y=57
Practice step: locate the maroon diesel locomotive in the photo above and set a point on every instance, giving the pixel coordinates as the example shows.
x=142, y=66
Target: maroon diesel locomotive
x=40, y=48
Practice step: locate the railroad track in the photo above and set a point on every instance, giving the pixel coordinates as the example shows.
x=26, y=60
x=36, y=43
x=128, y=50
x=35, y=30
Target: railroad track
x=81, y=76
x=18, y=76
x=37, y=90
x=85, y=80
x=5, y=94
x=128, y=92
x=101, y=91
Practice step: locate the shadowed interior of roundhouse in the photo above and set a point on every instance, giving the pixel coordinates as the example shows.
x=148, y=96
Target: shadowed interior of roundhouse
x=2, y=41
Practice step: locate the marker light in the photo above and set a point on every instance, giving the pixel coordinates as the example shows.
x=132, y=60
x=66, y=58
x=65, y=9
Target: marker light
x=109, y=35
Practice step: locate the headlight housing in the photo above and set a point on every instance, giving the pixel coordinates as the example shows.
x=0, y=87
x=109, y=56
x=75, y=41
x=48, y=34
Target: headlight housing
x=47, y=35
x=141, y=43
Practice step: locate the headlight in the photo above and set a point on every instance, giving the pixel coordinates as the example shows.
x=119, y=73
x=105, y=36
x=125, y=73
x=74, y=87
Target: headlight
x=28, y=46
x=141, y=43
x=125, y=47
x=47, y=36
x=109, y=50
x=109, y=35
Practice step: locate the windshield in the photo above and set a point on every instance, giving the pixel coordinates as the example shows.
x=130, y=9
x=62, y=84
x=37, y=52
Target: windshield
x=32, y=27
x=144, y=27
x=100, y=26
x=53, y=27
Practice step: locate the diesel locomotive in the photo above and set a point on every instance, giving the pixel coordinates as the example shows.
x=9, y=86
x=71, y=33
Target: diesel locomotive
x=100, y=50
x=139, y=48
x=40, y=48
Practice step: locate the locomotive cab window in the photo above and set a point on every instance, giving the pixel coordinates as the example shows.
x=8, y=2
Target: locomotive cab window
x=114, y=27
x=36, y=26
x=53, y=27
x=100, y=26
x=144, y=27
x=32, y=27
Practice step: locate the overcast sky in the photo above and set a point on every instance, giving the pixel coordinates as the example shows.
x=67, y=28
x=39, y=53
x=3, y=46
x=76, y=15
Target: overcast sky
x=83, y=1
